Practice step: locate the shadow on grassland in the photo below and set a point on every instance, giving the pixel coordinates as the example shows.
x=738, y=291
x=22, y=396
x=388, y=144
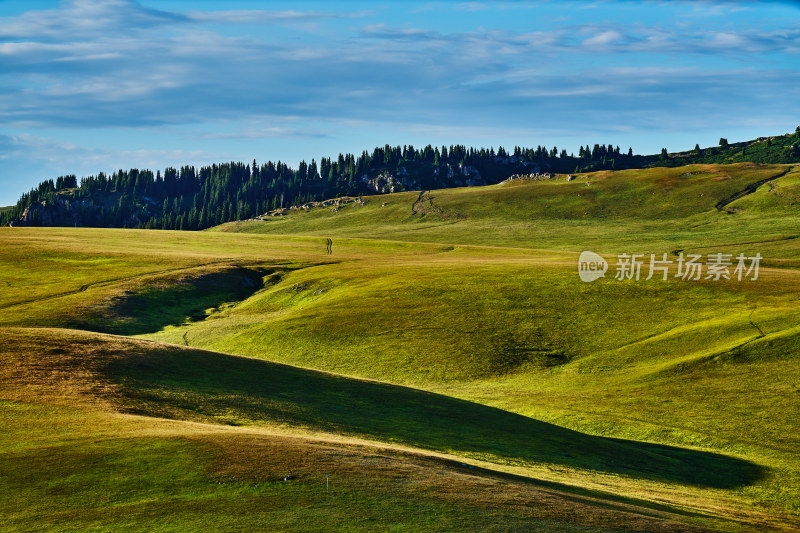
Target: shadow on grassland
x=148, y=304
x=198, y=385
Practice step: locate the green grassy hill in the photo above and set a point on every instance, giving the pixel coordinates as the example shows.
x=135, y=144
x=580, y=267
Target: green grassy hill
x=654, y=210
x=776, y=148
x=71, y=461
x=445, y=364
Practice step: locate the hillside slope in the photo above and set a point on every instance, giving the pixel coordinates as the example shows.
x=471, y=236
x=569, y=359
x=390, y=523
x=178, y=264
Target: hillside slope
x=58, y=411
x=450, y=325
x=655, y=210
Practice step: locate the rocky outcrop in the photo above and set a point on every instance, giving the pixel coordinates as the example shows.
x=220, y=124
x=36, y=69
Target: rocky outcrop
x=445, y=175
x=385, y=182
x=535, y=176
x=458, y=176
x=334, y=204
x=64, y=211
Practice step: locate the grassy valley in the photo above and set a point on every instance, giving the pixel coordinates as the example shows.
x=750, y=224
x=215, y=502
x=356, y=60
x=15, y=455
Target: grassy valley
x=444, y=366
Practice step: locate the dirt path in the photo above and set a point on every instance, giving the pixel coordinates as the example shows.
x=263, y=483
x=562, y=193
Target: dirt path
x=418, y=207
x=425, y=206
x=750, y=189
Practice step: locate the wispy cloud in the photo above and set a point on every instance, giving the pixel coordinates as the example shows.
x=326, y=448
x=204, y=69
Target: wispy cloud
x=603, y=38
x=260, y=16
x=451, y=67
x=267, y=133
x=382, y=31
x=80, y=19
x=45, y=157
x=116, y=62
x=74, y=155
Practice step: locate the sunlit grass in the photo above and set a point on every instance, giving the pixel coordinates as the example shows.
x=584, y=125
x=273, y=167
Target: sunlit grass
x=514, y=364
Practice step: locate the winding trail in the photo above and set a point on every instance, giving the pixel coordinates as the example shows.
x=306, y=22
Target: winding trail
x=761, y=333
x=419, y=208
x=422, y=197
x=750, y=189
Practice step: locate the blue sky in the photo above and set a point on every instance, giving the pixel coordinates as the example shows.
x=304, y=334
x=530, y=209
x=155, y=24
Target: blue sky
x=89, y=86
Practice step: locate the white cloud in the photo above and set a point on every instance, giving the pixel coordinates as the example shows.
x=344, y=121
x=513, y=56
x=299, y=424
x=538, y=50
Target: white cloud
x=603, y=38
x=74, y=155
x=83, y=18
x=266, y=133
x=260, y=16
x=117, y=64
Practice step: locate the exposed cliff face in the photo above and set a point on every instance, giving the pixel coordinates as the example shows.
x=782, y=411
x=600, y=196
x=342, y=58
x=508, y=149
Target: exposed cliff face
x=444, y=176
x=459, y=175
x=66, y=210
x=386, y=182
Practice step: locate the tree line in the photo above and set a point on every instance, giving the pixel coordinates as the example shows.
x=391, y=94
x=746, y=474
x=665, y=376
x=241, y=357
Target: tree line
x=191, y=198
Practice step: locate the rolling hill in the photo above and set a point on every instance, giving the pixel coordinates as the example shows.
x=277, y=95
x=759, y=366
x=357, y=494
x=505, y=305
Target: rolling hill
x=444, y=365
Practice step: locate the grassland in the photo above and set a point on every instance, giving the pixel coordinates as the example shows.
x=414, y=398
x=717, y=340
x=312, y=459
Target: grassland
x=445, y=365
x=661, y=209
